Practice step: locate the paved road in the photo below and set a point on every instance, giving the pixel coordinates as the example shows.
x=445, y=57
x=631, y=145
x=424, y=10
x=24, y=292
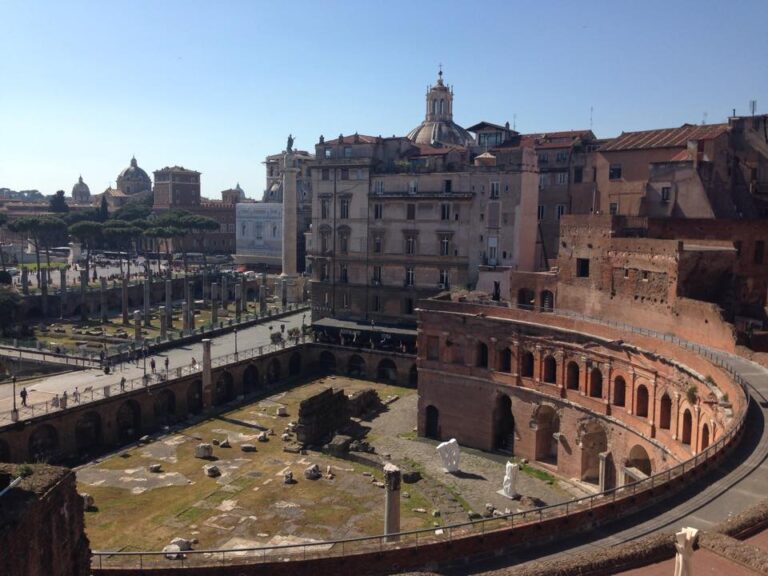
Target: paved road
x=738, y=484
x=45, y=388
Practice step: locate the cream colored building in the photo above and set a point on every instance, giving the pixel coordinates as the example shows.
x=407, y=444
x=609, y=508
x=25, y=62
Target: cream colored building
x=398, y=219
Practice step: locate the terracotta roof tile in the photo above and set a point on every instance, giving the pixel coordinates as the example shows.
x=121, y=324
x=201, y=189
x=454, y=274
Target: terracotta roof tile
x=664, y=138
x=351, y=139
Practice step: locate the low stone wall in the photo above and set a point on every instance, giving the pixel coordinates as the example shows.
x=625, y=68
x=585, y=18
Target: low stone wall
x=42, y=531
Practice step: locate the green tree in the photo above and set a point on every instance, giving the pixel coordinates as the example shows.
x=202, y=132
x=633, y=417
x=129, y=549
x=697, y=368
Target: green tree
x=103, y=209
x=200, y=226
x=3, y=223
x=132, y=211
x=10, y=301
x=120, y=234
x=58, y=203
x=29, y=227
x=52, y=231
x=89, y=234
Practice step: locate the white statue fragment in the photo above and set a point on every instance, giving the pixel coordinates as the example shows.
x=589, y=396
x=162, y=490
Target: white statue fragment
x=449, y=454
x=684, y=541
x=509, y=488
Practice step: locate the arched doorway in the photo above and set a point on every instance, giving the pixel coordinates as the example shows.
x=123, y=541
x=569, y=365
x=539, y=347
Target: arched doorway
x=641, y=403
x=594, y=441
x=547, y=301
x=704, y=436
x=572, y=376
x=88, y=433
x=356, y=366
x=526, y=299
x=550, y=370
x=195, y=397
x=413, y=376
x=547, y=434
x=665, y=412
x=638, y=458
x=43, y=444
x=387, y=371
x=273, y=372
x=225, y=388
x=327, y=362
x=505, y=360
x=165, y=407
x=526, y=365
x=128, y=421
x=687, y=427
x=432, y=423
x=596, y=383
x=294, y=364
x=619, y=391
x=503, y=425
x=250, y=379
x=481, y=357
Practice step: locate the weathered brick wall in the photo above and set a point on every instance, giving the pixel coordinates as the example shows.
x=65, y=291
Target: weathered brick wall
x=42, y=530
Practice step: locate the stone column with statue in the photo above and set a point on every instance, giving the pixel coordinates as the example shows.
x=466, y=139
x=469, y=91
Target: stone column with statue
x=290, y=223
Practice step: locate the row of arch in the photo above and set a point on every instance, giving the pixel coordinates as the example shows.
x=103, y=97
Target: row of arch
x=594, y=389
x=386, y=369
x=548, y=446
x=526, y=300
x=133, y=418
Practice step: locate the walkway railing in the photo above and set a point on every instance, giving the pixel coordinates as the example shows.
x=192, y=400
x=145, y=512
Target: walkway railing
x=95, y=393
x=416, y=538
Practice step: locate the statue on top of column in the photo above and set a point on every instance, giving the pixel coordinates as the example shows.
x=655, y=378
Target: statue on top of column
x=289, y=147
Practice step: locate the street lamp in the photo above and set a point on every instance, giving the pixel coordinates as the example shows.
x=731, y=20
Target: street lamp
x=235, y=343
x=145, y=350
x=13, y=379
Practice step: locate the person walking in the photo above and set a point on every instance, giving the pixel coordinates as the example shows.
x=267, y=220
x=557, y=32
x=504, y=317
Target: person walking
x=23, y=395
x=152, y=365
x=122, y=384
x=76, y=395
x=167, y=362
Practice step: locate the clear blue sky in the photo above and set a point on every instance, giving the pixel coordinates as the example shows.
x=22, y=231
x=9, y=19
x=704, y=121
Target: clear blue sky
x=216, y=86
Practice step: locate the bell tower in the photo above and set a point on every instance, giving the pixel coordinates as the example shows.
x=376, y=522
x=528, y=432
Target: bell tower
x=439, y=101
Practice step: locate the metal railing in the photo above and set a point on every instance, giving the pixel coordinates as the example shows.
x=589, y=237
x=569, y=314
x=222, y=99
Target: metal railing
x=416, y=538
x=95, y=393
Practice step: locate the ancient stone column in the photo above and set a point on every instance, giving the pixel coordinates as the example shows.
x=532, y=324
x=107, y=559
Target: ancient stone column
x=103, y=299
x=137, y=325
x=207, y=377
x=224, y=292
x=238, y=300
x=63, y=280
x=169, y=302
x=124, y=301
x=147, y=298
x=214, y=303
x=191, y=304
x=24, y=280
x=205, y=287
x=603, y=473
x=392, y=479
x=262, y=298
x=290, y=209
x=83, y=289
x=163, y=322
x=284, y=291
x=184, y=316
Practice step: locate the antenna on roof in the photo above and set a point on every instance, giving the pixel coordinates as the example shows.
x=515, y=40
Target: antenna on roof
x=514, y=121
x=591, y=109
x=753, y=106
x=704, y=118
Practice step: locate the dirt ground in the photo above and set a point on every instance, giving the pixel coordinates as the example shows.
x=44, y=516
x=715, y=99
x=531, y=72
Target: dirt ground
x=249, y=505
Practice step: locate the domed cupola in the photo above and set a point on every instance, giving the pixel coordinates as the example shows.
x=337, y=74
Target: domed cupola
x=133, y=179
x=81, y=194
x=438, y=126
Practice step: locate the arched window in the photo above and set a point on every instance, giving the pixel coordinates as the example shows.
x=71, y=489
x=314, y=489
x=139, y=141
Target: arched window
x=505, y=364
x=704, y=436
x=526, y=365
x=665, y=412
x=596, y=383
x=572, y=376
x=482, y=355
x=619, y=391
x=550, y=370
x=641, y=402
x=687, y=426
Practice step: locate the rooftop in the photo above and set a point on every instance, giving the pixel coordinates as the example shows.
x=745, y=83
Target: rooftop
x=664, y=137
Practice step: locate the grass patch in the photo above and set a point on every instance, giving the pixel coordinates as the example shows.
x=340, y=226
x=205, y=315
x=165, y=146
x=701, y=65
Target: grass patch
x=537, y=473
x=408, y=435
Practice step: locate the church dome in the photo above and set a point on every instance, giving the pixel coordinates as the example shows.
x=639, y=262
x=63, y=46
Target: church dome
x=133, y=179
x=438, y=126
x=80, y=192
